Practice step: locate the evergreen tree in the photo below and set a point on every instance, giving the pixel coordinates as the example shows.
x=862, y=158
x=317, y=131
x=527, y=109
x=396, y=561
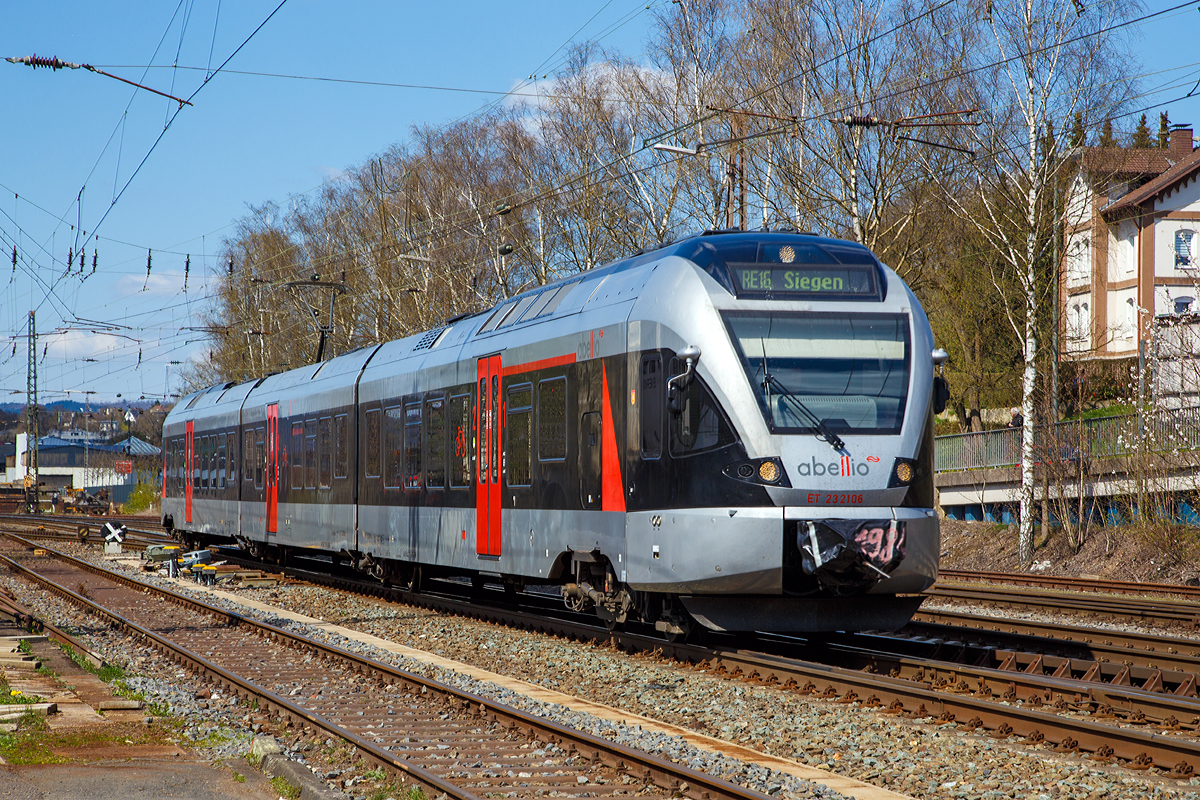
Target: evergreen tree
x=1078, y=134
x=1141, y=135
x=1106, y=135
x=1164, y=130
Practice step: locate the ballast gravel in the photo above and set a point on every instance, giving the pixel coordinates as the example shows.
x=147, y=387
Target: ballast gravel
x=915, y=757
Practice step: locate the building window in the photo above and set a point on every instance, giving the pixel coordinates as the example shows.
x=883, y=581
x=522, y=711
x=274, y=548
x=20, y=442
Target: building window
x=1185, y=252
x=1130, y=319
x=1078, y=262
x=1183, y=305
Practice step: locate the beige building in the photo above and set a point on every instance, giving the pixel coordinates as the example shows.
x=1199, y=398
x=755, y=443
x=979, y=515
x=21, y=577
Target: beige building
x=1131, y=245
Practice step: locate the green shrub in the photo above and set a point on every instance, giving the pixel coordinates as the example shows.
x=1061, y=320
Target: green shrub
x=142, y=497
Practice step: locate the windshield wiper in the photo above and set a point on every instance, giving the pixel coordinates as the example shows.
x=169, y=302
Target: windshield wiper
x=786, y=394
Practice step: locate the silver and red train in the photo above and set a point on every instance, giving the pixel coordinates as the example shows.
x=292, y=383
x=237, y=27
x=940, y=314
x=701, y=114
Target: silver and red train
x=732, y=432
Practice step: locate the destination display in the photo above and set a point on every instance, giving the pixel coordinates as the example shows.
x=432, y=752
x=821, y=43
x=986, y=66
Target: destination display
x=841, y=281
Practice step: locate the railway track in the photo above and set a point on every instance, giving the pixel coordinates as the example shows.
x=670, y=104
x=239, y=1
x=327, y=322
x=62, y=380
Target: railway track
x=1154, y=610
x=85, y=529
x=1070, y=584
x=425, y=732
x=949, y=666
x=1010, y=699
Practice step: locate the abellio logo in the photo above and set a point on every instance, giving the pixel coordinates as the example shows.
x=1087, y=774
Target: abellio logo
x=846, y=468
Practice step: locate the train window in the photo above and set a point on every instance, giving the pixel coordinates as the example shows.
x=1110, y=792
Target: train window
x=393, y=449
x=325, y=452
x=651, y=399
x=435, y=443
x=194, y=466
x=341, y=447
x=205, y=453
x=220, y=461
x=297, y=455
x=518, y=454
x=700, y=425
x=231, y=465
x=552, y=419
x=494, y=429
x=310, y=453
x=481, y=444
x=260, y=457
x=372, y=465
x=412, y=446
x=460, y=430
x=248, y=455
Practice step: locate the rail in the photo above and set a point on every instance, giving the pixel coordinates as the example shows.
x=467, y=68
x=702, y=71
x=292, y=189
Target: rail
x=1101, y=437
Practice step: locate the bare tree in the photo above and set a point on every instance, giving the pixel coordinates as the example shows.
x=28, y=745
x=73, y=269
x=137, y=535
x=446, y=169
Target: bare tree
x=1048, y=59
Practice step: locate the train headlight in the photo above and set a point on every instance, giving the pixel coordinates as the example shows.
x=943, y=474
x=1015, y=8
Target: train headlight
x=904, y=472
x=759, y=471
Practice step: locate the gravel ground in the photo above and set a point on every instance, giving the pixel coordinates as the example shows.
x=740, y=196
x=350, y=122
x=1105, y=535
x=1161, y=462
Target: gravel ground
x=918, y=758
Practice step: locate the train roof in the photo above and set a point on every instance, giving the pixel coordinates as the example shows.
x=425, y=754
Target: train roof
x=711, y=251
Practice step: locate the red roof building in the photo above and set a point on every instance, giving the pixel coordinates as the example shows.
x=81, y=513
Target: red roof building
x=1131, y=245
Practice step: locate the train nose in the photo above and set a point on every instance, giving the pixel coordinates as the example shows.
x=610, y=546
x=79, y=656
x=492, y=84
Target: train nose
x=850, y=554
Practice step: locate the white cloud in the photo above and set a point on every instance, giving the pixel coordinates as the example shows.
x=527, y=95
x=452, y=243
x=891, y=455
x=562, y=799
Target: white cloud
x=84, y=344
x=166, y=282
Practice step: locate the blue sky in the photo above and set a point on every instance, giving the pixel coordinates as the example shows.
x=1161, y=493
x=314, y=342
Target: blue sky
x=247, y=140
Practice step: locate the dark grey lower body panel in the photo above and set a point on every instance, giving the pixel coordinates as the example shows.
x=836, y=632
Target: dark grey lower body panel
x=802, y=614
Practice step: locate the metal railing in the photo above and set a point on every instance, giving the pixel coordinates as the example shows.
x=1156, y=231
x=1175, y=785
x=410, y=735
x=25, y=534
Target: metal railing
x=1102, y=437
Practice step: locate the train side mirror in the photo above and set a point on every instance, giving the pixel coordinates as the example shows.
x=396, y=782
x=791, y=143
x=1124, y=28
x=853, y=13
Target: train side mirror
x=941, y=394
x=690, y=355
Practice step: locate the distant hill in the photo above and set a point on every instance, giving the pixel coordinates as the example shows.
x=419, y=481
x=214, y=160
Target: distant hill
x=75, y=405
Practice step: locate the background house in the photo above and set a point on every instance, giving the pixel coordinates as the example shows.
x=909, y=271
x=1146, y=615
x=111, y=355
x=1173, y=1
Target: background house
x=1131, y=245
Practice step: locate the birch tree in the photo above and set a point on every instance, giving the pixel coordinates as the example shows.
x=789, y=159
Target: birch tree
x=1048, y=60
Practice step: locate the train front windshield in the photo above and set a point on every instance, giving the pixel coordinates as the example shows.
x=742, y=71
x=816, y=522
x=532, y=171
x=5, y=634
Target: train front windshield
x=848, y=373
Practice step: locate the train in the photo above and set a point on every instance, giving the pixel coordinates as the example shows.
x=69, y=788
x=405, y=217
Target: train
x=731, y=432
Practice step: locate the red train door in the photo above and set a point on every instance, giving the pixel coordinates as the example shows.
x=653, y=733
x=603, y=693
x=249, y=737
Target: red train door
x=189, y=455
x=272, y=467
x=487, y=498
